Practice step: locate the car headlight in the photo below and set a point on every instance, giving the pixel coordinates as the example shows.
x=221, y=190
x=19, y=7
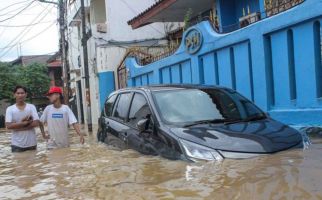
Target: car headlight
x=197, y=152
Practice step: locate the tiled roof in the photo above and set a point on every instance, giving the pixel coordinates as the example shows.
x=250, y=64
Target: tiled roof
x=146, y=11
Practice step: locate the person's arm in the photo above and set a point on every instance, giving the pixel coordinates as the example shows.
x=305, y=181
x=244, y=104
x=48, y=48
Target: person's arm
x=43, y=119
x=42, y=129
x=17, y=125
x=33, y=118
x=32, y=125
x=73, y=121
x=77, y=129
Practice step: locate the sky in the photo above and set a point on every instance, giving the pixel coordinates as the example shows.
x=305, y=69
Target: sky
x=40, y=36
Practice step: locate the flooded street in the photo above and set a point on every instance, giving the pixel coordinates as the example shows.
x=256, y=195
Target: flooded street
x=93, y=171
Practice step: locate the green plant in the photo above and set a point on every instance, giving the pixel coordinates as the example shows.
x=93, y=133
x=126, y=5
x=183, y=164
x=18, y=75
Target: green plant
x=187, y=18
x=33, y=76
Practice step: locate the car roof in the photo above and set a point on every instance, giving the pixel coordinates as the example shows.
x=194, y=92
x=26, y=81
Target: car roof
x=171, y=87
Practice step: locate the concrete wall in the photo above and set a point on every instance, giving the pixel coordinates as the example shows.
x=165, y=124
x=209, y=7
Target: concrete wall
x=275, y=62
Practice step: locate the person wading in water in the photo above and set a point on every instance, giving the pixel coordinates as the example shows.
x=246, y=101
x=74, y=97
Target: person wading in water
x=22, y=118
x=58, y=117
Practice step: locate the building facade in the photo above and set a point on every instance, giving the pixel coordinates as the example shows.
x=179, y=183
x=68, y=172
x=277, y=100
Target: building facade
x=109, y=38
x=270, y=51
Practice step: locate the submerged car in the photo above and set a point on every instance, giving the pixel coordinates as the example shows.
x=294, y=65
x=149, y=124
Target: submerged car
x=191, y=122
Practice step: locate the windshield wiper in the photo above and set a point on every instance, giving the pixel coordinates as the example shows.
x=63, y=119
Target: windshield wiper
x=248, y=119
x=205, y=122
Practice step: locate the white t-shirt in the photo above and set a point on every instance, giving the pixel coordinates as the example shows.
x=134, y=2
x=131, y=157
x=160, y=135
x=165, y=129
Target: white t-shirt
x=57, y=120
x=25, y=138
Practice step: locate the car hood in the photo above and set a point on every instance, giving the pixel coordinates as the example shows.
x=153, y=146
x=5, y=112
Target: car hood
x=264, y=136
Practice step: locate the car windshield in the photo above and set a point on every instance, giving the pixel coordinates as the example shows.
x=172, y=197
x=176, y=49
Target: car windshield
x=193, y=105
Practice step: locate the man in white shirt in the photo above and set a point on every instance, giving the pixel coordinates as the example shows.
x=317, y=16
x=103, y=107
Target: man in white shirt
x=58, y=117
x=21, y=119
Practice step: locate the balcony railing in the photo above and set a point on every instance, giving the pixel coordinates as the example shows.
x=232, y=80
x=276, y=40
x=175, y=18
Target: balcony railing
x=272, y=7
x=278, y=6
x=143, y=57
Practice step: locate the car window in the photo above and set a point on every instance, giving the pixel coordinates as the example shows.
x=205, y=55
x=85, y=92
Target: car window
x=108, y=107
x=227, y=106
x=139, y=109
x=193, y=105
x=122, y=107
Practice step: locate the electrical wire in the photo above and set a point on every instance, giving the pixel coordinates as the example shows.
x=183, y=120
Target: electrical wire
x=17, y=26
x=18, y=12
x=12, y=11
x=13, y=5
x=22, y=34
x=4, y=30
x=34, y=36
x=41, y=4
x=25, y=29
x=134, y=11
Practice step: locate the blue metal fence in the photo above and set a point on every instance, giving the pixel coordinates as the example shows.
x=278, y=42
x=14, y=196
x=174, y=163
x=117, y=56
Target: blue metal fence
x=275, y=62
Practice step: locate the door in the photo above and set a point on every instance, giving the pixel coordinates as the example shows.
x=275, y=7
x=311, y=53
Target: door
x=103, y=120
x=116, y=126
x=142, y=142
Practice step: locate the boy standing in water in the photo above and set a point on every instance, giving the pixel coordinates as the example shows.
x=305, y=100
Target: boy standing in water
x=21, y=119
x=58, y=117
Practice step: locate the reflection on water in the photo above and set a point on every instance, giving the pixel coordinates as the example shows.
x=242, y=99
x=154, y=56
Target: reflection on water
x=93, y=171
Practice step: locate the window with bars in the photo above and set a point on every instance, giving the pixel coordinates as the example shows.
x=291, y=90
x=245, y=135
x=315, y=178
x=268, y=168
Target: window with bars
x=274, y=7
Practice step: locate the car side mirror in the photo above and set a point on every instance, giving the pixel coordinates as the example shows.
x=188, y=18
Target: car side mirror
x=104, y=120
x=142, y=125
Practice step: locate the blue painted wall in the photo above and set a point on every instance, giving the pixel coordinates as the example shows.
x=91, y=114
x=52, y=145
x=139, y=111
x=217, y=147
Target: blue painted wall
x=275, y=62
x=106, y=86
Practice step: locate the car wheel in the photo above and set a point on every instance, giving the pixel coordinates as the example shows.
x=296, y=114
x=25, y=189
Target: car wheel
x=116, y=144
x=101, y=136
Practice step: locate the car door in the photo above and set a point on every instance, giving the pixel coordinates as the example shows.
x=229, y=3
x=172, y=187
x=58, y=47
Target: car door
x=104, y=121
x=117, y=127
x=139, y=110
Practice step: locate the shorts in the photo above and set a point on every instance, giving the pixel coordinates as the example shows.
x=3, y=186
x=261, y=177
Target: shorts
x=22, y=149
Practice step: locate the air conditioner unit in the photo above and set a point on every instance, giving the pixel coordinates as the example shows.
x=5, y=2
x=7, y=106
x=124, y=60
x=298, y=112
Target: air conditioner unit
x=101, y=27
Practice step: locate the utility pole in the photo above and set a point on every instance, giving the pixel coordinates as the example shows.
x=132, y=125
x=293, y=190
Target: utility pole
x=85, y=57
x=62, y=27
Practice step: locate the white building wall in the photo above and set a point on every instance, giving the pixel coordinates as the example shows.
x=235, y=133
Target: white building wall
x=102, y=56
x=108, y=58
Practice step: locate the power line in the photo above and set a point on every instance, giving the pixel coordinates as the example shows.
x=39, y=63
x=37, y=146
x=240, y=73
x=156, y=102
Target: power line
x=41, y=4
x=39, y=33
x=17, y=12
x=22, y=34
x=15, y=26
x=13, y=5
x=25, y=29
x=134, y=11
x=4, y=30
x=12, y=11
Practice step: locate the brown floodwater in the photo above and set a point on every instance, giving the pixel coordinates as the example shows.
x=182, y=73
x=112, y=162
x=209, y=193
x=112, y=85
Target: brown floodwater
x=93, y=171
